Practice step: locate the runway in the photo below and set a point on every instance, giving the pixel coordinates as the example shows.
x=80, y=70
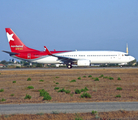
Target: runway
x=67, y=107
x=74, y=68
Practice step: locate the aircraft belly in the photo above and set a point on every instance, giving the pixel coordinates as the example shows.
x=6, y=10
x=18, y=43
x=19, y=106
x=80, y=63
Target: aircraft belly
x=48, y=60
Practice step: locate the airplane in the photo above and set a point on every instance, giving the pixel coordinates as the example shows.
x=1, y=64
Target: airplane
x=81, y=58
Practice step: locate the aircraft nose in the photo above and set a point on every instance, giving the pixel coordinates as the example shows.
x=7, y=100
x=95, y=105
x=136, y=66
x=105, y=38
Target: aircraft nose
x=131, y=58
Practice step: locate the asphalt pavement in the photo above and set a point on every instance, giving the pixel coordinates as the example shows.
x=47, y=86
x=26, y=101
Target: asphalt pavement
x=67, y=107
x=64, y=68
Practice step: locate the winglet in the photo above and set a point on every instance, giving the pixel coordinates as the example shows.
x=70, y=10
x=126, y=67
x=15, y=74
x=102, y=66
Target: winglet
x=48, y=52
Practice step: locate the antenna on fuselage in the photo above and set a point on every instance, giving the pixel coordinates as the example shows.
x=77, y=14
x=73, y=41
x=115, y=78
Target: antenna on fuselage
x=127, y=48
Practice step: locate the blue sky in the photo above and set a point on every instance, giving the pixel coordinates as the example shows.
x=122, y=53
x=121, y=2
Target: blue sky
x=71, y=24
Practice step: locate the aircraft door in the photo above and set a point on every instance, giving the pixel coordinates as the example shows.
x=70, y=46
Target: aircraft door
x=119, y=56
x=29, y=56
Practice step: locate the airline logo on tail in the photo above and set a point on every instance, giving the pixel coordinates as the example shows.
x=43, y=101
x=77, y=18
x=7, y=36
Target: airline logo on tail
x=10, y=37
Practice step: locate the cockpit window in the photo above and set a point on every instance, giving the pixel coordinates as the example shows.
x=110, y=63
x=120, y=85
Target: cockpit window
x=126, y=54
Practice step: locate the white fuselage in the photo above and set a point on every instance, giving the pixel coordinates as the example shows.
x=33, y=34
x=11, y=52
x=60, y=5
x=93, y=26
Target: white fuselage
x=92, y=56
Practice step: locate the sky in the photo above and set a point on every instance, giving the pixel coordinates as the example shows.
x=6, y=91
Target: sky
x=89, y=25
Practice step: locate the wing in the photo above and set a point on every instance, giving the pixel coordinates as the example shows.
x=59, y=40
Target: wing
x=64, y=59
x=61, y=58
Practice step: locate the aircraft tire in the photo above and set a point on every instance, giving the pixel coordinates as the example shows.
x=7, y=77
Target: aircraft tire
x=69, y=66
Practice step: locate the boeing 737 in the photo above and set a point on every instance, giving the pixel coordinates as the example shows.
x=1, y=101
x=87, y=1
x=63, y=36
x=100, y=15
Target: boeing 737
x=81, y=58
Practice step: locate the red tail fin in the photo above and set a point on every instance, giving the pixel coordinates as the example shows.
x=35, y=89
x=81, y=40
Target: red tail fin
x=16, y=44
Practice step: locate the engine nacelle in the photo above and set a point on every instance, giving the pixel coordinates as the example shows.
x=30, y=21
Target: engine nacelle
x=57, y=65
x=122, y=64
x=83, y=62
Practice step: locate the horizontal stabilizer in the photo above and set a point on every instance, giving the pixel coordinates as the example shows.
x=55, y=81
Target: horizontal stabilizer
x=11, y=53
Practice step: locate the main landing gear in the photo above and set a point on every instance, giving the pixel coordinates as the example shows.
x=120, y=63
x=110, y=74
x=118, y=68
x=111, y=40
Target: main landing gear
x=69, y=66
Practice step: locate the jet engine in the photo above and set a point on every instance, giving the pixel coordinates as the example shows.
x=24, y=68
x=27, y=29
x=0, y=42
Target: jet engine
x=83, y=62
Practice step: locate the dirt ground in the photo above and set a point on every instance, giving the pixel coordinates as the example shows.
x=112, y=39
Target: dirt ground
x=102, y=90
x=118, y=115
